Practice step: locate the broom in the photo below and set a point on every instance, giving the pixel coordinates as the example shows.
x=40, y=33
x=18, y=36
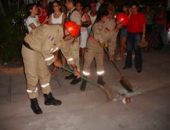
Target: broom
x=107, y=90
x=123, y=80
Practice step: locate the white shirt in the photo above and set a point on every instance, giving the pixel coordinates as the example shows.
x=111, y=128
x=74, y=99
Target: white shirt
x=92, y=18
x=32, y=20
x=58, y=20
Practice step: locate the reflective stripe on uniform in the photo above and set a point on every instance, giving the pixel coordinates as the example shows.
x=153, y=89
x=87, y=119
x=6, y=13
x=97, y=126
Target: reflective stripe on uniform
x=86, y=73
x=100, y=72
x=54, y=50
x=36, y=89
x=49, y=58
x=70, y=59
x=31, y=91
x=45, y=85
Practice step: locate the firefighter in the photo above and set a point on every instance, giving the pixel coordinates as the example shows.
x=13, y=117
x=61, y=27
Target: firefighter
x=37, y=52
x=103, y=31
x=74, y=15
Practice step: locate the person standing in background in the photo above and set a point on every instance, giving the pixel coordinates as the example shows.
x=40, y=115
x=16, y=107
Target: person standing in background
x=57, y=17
x=85, y=22
x=149, y=25
x=75, y=16
x=32, y=20
x=161, y=22
x=136, y=34
x=43, y=15
x=111, y=10
x=92, y=14
x=123, y=35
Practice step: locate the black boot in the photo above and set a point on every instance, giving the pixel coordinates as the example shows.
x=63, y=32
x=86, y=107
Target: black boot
x=83, y=85
x=139, y=69
x=50, y=100
x=35, y=106
x=71, y=76
x=75, y=81
x=100, y=80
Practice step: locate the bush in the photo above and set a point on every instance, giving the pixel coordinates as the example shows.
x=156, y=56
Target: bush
x=11, y=38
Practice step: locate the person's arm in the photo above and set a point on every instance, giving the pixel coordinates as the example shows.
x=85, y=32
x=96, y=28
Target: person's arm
x=46, y=20
x=118, y=25
x=97, y=30
x=144, y=31
x=50, y=43
x=50, y=56
x=65, y=49
x=63, y=18
x=144, y=27
x=108, y=30
x=50, y=20
x=30, y=23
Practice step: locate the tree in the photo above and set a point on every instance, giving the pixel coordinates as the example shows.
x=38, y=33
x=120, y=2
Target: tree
x=2, y=11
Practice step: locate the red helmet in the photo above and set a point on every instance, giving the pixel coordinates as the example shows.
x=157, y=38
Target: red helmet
x=72, y=28
x=122, y=18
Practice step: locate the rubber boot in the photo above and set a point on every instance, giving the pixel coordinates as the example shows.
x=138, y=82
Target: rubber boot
x=35, y=106
x=83, y=85
x=75, y=81
x=71, y=76
x=100, y=80
x=50, y=100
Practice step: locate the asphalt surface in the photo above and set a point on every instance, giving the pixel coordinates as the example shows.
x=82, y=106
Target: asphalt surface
x=90, y=110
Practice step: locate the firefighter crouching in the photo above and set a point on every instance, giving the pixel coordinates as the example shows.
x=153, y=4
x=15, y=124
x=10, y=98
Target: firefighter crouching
x=102, y=32
x=38, y=58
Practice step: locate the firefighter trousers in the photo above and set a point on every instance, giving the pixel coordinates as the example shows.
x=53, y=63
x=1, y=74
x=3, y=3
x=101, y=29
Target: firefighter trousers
x=36, y=71
x=89, y=57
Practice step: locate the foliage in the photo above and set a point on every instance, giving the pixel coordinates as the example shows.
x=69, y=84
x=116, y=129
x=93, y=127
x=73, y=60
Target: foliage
x=11, y=37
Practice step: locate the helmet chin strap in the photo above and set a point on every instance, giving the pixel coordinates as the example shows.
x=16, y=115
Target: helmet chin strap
x=71, y=39
x=65, y=36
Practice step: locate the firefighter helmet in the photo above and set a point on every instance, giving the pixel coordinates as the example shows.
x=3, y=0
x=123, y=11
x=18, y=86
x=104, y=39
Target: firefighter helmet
x=122, y=18
x=72, y=28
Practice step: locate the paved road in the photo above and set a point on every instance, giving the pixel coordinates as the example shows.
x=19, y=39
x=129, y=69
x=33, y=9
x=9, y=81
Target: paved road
x=90, y=110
